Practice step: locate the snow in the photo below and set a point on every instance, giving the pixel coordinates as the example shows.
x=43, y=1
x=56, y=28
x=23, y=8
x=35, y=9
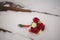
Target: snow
x=9, y=20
